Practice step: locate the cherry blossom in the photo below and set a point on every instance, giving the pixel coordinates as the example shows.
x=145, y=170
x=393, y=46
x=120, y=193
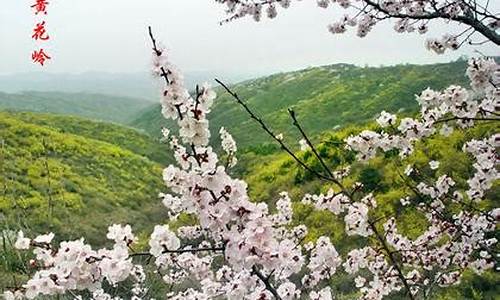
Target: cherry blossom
x=407, y=17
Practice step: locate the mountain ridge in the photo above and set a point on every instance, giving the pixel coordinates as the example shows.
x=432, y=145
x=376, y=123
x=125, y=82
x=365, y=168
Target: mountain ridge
x=118, y=109
x=338, y=95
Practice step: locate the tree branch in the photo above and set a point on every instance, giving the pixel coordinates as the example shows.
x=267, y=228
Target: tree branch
x=270, y=133
x=467, y=19
x=267, y=283
x=304, y=135
x=194, y=250
x=390, y=254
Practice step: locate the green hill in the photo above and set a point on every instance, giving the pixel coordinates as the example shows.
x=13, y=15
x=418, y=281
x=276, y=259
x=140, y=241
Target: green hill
x=127, y=138
x=323, y=97
x=75, y=181
x=94, y=106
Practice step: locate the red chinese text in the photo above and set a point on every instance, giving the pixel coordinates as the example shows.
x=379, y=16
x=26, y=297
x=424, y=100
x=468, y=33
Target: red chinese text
x=39, y=57
x=40, y=6
x=39, y=33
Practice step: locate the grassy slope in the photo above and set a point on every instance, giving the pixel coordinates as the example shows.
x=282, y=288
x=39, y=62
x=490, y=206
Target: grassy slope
x=323, y=97
x=94, y=106
x=126, y=138
x=92, y=183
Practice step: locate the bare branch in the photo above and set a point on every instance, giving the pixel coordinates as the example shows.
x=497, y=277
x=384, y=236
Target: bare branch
x=266, y=281
x=270, y=133
x=304, y=135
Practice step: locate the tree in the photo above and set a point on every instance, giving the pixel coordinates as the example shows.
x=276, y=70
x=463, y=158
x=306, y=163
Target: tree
x=473, y=16
x=239, y=249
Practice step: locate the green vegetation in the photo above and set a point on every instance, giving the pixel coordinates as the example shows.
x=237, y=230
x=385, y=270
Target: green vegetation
x=72, y=184
x=126, y=138
x=74, y=177
x=94, y=106
x=324, y=98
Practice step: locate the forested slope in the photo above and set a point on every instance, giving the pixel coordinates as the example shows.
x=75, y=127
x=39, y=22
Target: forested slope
x=94, y=106
x=323, y=97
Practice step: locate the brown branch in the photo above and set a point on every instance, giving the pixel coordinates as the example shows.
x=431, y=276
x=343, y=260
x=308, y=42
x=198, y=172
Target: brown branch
x=194, y=250
x=467, y=19
x=158, y=52
x=392, y=259
x=304, y=135
x=465, y=119
x=443, y=218
x=266, y=281
x=270, y=133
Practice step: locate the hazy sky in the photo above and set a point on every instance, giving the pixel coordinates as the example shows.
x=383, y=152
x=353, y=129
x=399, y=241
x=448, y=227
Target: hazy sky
x=111, y=36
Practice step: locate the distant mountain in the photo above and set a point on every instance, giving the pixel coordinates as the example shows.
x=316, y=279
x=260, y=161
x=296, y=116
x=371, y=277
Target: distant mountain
x=139, y=85
x=323, y=97
x=95, y=106
x=132, y=85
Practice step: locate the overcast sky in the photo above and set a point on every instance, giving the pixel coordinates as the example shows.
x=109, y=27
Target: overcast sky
x=111, y=36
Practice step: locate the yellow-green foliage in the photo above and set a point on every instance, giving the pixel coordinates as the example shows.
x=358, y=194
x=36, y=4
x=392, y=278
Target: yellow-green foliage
x=71, y=184
x=119, y=135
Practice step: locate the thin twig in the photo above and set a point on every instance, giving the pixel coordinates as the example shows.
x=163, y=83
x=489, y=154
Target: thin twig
x=270, y=133
x=49, y=183
x=304, y=135
x=392, y=259
x=465, y=119
x=194, y=250
x=266, y=281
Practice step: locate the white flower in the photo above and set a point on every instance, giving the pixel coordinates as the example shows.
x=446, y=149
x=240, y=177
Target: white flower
x=303, y=145
x=16, y=295
x=165, y=132
x=356, y=220
x=228, y=145
x=337, y=27
x=163, y=239
x=435, y=45
x=44, y=239
x=324, y=294
x=434, y=164
x=446, y=130
x=271, y=11
x=324, y=259
x=22, y=243
x=408, y=170
x=122, y=235
x=359, y=281
x=386, y=119
x=116, y=266
x=288, y=291
x=405, y=201
x=323, y=3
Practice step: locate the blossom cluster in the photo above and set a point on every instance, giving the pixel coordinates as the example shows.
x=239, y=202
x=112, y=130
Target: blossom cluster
x=74, y=265
x=407, y=16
